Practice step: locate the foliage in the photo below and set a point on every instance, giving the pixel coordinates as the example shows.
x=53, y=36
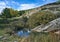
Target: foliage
x=21, y=12
x=39, y=18
x=5, y=13
x=20, y=24
x=58, y=14
x=8, y=13
x=2, y=21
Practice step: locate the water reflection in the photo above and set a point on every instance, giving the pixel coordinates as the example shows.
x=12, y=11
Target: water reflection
x=24, y=33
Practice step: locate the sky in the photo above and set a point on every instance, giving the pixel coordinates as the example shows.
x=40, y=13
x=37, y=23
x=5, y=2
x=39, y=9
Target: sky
x=23, y=4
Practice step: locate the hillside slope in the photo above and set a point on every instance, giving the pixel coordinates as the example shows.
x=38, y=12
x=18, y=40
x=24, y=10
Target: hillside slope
x=53, y=25
x=53, y=7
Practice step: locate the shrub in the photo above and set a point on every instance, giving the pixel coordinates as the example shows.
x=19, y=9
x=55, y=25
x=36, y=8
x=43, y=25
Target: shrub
x=39, y=18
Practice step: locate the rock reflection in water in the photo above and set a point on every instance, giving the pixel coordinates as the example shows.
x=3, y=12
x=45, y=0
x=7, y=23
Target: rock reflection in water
x=23, y=33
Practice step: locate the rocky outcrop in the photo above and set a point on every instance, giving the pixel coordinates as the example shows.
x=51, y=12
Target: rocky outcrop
x=53, y=25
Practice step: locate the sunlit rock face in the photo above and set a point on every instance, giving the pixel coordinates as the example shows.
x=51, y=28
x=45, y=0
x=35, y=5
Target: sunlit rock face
x=58, y=32
x=53, y=25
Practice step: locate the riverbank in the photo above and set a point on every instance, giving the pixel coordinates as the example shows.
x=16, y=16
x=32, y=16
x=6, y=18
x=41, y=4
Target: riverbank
x=33, y=37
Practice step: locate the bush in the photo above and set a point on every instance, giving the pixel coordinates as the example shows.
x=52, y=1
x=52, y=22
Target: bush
x=39, y=18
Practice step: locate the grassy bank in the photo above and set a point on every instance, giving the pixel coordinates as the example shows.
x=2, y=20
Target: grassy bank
x=34, y=37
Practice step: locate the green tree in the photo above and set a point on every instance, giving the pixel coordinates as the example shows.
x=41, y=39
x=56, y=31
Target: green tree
x=21, y=12
x=6, y=13
x=9, y=12
x=14, y=13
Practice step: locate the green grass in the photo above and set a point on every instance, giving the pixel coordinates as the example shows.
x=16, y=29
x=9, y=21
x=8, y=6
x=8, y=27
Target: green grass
x=41, y=37
x=34, y=37
x=2, y=32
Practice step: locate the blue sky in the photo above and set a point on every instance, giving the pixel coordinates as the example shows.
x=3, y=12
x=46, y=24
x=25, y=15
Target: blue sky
x=23, y=4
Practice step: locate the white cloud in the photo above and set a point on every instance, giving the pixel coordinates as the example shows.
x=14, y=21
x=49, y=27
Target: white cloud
x=17, y=6
x=26, y=6
x=2, y=6
x=16, y=3
x=12, y=4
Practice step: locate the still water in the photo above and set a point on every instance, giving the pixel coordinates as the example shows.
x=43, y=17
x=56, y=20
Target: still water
x=23, y=33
